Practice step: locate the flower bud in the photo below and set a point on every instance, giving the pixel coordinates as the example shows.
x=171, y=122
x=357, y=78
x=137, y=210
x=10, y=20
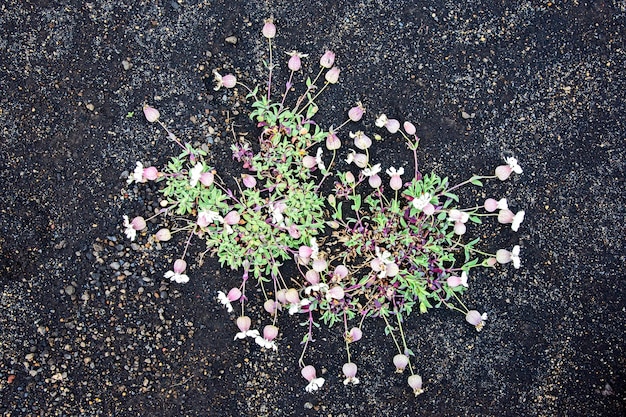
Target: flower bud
x=163, y=235
x=332, y=75
x=415, y=382
x=179, y=266
x=138, y=223
x=332, y=141
x=229, y=80
x=232, y=217
x=248, y=180
x=328, y=59
x=151, y=114
x=409, y=128
x=400, y=361
x=356, y=113
x=207, y=178
x=350, y=178
x=269, y=29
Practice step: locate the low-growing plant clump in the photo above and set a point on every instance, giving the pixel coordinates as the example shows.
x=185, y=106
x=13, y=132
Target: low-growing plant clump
x=367, y=241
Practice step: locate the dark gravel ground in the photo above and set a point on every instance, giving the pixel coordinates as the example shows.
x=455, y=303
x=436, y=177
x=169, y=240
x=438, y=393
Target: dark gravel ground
x=89, y=326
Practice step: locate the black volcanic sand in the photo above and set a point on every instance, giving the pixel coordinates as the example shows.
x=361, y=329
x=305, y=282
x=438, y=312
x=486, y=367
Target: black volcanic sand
x=88, y=324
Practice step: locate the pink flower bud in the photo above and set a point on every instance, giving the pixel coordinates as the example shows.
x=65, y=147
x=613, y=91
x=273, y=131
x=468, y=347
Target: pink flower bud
x=305, y=251
x=328, y=59
x=248, y=180
x=308, y=372
x=295, y=62
x=207, y=178
x=312, y=276
x=270, y=332
x=332, y=141
x=336, y=292
x=270, y=306
x=269, y=29
x=179, y=266
x=319, y=265
x=292, y=296
x=232, y=217
x=309, y=161
x=409, y=128
x=150, y=173
x=415, y=382
x=400, y=361
x=356, y=113
x=349, y=369
x=375, y=181
x=392, y=125
x=151, y=114
x=163, y=235
x=229, y=80
x=138, y=223
x=350, y=178
x=332, y=75
x=244, y=323
x=234, y=294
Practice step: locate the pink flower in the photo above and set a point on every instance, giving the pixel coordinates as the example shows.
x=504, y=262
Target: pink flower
x=504, y=171
x=392, y=125
x=422, y=203
x=356, y=113
x=151, y=114
x=454, y=281
x=507, y=216
x=269, y=334
x=269, y=29
x=503, y=256
x=244, y=323
x=476, y=319
x=349, y=370
x=295, y=62
x=354, y=335
x=359, y=159
x=141, y=174
x=332, y=75
x=177, y=274
x=308, y=372
x=492, y=205
x=132, y=227
x=227, y=81
x=328, y=59
x=361, y=141
x=207, y=217
x=400, y=361
x=233, y=295
x=395, y=182
x=415, y=382
x=459, y=218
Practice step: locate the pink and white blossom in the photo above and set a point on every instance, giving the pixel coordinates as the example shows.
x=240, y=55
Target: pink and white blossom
x=177, y=275
x=503, y=256
x=349, y=370
x=504, y=171
x=309, y=373
x=244, y=323
x=476, y=319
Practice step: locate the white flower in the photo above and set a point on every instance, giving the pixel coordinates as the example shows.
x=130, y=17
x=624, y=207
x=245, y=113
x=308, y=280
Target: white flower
x=137, y=175
x=422, y=201
x=315, y=384
x=195, y=173
x=350, y=157
x=464, y=279
x=248, y=333
x=321, y=287
x=368, y=172
x=515, y=257
x=268, y=344
x=179, y=278
x=297, y=307
x=502, y=204
x=391, y=171
x=512, y=162
x=222, y=298
x=318, y=160
x=315, y=250
x=517, y=220
x=131, y=233
x=206, y=217
x=381, y=120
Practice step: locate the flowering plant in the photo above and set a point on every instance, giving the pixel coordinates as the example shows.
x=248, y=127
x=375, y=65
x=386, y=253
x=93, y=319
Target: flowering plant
x=362, y=247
